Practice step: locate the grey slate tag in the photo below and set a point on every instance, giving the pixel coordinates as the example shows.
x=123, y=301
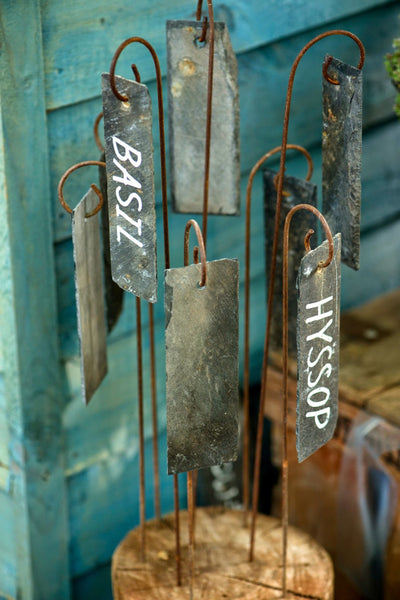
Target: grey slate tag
x=114, y=294
x=341, y=157
x=300, y=191
x=202, y=345
x=187, y=104
x=89, y=295
x=318, y=324
x=130, y=182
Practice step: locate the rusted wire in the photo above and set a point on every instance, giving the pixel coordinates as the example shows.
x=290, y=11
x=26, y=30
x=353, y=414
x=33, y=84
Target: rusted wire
x=142, y=495
x=96, y=132
x=246, y=377
x=164, y=192
x=199, y=9
x=329, y=58
x=211, y=39
x=96, y=190
x=257, y=461
x=191, y=531
x=156, y=467
x=285, y=323
x=202, y=249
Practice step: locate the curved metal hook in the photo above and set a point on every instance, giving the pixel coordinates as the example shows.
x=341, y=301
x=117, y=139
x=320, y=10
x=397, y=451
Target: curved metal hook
x=329, y=58
x=96, y=132
x=93, y=186
x=201, y=247
x=116, y=56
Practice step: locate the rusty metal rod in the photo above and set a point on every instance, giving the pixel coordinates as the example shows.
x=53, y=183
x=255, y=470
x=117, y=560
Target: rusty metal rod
x=208, y=118
x=94, y=187
x=257, y=461
x=285, y=369
x=191, y=531
x=156, y=469
x=142, y=492
x=246, y=376
x=164, y=192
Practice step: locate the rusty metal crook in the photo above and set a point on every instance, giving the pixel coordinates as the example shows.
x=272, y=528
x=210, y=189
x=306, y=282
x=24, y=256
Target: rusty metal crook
x=246, y=376
x=285, y=324
x=135, y=70
x=264, y=374
x=201, y=247
x=329, y=58
x=93, y=186
x=96, y=132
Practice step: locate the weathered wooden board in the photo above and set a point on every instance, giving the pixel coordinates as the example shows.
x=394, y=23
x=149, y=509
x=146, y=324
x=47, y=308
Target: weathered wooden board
x=28, y=318
x=8, y=566
x=80, y=38
x=71, y=124
x=221, y=566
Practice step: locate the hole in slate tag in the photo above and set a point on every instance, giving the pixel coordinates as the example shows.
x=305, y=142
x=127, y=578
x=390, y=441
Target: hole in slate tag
x=198, y=43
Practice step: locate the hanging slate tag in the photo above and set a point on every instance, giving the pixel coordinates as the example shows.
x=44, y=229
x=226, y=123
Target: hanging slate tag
x=300, y=191
x=89, y=295
x=318, y=323
x=341, y=157
x=130, y=182
x=114, y=294
x=187, y=103
x=202, y=345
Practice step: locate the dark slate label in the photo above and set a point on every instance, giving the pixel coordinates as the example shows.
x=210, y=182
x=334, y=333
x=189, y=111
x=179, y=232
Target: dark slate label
x=187, y=104
x=341, y=157
x=300, y=192
x=202, y=345
x=89, y=295
x=318, y=323
x=130, y=183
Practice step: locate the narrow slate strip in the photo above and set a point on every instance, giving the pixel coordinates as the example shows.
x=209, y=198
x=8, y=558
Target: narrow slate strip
x=114, y=295
x=318, y=324
x=89, y=295
x=341, y=157
x=187, y=109
x=202, y=346
x=130, y=182
x=300, y=191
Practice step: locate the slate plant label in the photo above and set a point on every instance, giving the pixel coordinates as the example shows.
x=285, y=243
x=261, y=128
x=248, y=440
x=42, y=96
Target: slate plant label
x=89, y=295
x=300, y=192
x=318, y=323
x=341, y=157
x=187, y=109
x=130, y=184
x=114, y=295
x=202, y=345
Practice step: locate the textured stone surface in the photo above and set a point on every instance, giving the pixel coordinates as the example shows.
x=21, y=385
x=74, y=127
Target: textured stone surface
x=202, y=344
x=341, y=157
x=89, y=295
x=187, y=109
x=114, y=295
x=130, y=182
x=318, y=322
x=300, y=191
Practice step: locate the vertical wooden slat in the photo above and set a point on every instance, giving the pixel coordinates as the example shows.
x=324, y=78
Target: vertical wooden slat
x=28, y=313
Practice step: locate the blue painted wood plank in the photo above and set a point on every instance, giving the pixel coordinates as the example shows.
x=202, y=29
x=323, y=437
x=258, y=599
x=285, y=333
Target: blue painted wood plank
x=8, y=567
x=263, y=76
x=81, y=37
x=104, y=503
x=28, y=314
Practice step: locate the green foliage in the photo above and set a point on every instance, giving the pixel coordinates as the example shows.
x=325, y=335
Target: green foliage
x=392, y=64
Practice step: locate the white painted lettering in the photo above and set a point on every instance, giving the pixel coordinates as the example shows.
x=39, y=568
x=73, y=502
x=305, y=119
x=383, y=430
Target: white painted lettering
x=317, y=413
x=311, y=363
x=137, y=224
x=325, y=369
x=321, y=334
x=127, y=202
x=122, y=231
x=318, y=403
x=320, y=315
x=127, y=178
x=129, y=152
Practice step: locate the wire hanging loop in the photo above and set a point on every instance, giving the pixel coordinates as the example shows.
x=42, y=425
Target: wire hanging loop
x=116, y=56
x=96, y=190
x=329, y=58
x=96, y=132
x=201, y=248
